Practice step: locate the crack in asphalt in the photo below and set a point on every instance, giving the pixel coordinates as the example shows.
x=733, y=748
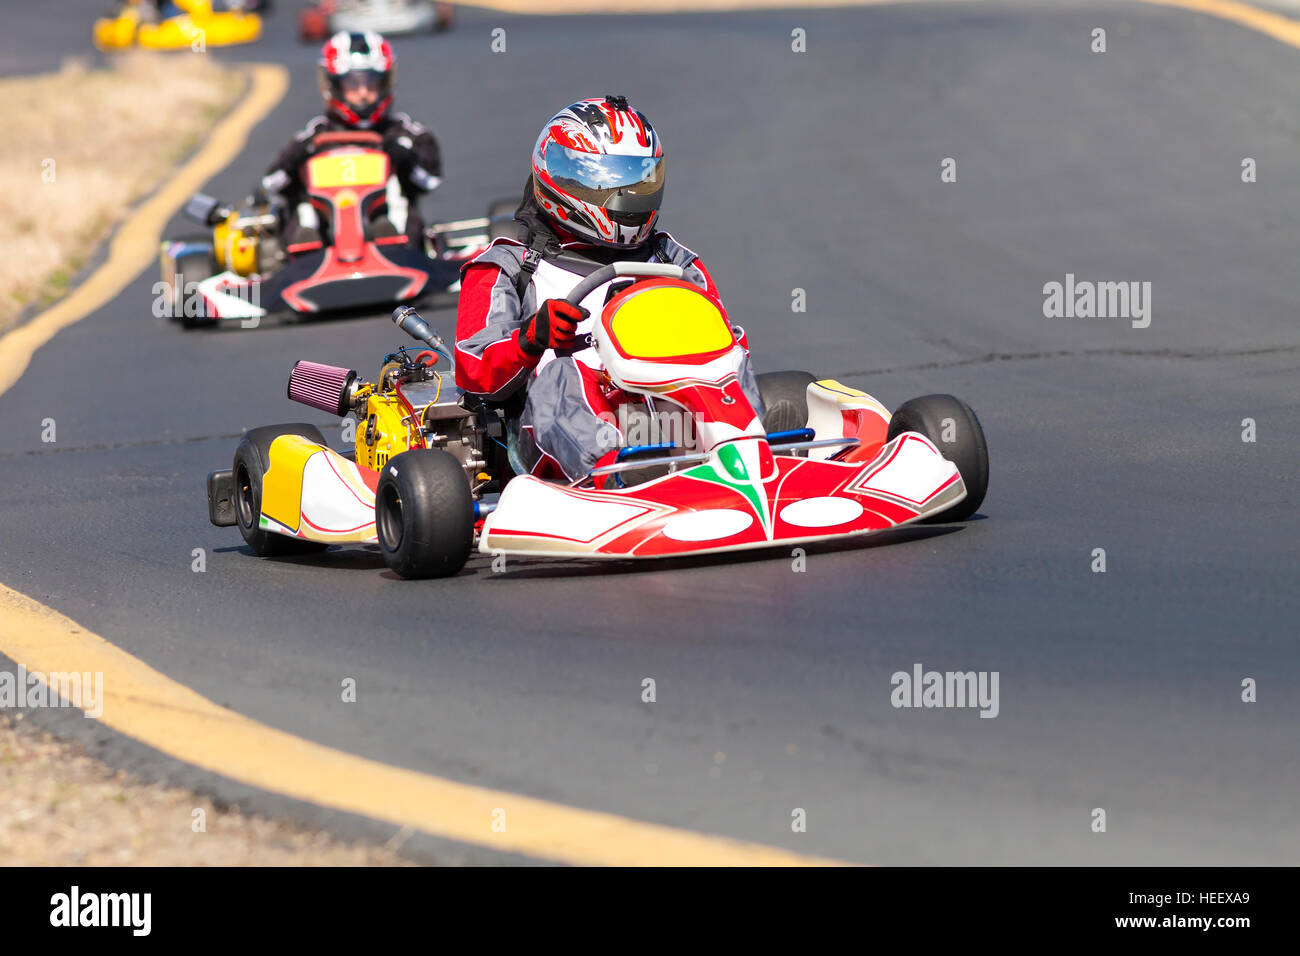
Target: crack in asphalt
x=993, y=357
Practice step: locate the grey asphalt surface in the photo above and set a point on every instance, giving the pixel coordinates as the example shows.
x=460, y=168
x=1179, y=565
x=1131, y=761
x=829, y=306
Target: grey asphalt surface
x=819, y=171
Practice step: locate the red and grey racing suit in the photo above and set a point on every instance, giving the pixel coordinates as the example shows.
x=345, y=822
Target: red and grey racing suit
x=416, y=164
x=570, y=418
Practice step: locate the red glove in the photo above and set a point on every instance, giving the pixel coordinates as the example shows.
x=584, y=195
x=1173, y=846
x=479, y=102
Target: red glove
x=552, y=327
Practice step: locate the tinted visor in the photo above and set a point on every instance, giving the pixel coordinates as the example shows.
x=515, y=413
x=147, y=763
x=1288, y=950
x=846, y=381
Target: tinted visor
x=619, y=184
x=361, y=80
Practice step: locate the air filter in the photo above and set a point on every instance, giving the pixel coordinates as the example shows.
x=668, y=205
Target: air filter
x=326, y=387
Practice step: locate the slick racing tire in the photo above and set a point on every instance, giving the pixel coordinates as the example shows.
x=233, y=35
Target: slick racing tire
x=251, y=460
x=785, y=399
x=951, y=424
x=192, y=267
x=424, y=514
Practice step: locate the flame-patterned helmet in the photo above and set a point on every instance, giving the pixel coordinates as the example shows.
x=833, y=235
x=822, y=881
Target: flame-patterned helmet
x=353, y=61
x=598, y=171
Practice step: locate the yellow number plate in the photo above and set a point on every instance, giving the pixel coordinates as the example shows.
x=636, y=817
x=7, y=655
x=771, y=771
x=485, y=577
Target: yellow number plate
x=669, y=321
x=363, y=169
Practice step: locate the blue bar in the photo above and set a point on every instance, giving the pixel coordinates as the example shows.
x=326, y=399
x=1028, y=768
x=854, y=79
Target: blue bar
x=794, y=434
x=629, y=450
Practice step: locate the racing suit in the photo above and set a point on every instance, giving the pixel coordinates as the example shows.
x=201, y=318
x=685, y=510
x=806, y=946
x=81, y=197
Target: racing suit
x=417, y=170
x=570, y=414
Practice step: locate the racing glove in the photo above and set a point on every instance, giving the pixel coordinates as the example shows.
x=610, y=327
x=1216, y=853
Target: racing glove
x=552, y=327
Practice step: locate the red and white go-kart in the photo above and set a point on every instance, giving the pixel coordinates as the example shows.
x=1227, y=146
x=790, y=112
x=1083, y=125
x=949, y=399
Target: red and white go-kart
x=841, y=465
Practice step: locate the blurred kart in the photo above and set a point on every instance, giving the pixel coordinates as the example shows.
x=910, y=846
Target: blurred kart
x=246, y=269
x=175, y=24
x=430, y=472
x=323, y=18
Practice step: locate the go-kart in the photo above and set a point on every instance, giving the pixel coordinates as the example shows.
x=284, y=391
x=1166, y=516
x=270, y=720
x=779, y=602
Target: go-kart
x=247, y=269
x=175, y=24
x=430, y=470
x=388, y=17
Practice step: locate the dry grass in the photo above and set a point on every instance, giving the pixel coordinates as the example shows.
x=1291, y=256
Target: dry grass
x=110, y=134
x=59, y=807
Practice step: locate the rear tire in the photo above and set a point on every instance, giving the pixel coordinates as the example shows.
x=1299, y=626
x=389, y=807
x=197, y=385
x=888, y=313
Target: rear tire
x=935, y=415
x=424, y=514
x=251, y=461
x=785, y=399
x=501, y=219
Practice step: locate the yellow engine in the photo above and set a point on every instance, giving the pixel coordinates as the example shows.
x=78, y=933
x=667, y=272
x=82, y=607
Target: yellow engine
x=234, y=247
x=387, y=431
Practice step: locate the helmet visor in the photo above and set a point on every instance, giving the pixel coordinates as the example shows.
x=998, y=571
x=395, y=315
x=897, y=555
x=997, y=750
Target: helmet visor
x=628, y=184
x=362, y=88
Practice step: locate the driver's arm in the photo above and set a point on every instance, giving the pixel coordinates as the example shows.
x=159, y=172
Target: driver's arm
x=489, y=359
x=415, y=154
x=282, y=175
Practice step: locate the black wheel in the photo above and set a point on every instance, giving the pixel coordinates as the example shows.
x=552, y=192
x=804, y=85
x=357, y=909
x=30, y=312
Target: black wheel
x=951, y=424
x=785, y=399
x=193, y=267
x=424, y=514
x=501, y=219
x=251, y=460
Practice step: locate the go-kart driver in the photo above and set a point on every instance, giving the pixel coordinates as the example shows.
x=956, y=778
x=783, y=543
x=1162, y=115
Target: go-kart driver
x=356, y=73
x=593, y=198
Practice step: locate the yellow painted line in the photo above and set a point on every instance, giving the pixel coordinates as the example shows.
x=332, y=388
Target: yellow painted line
x=135, y=245
x=155, y=710
x=1264, y=21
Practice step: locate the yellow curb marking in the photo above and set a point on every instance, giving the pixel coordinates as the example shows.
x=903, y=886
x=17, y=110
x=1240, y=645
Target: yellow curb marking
x=157, y=711
x=135, y=245
x=1264, y=21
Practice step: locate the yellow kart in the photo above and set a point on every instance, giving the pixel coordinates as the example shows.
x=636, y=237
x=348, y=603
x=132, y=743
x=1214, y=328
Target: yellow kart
x=174, y=25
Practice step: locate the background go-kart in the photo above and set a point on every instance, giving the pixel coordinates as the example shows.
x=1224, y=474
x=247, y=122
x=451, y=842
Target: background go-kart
x=813, y=174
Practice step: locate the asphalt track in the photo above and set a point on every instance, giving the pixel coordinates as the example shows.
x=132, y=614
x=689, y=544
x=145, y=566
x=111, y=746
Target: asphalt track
x=820, y=171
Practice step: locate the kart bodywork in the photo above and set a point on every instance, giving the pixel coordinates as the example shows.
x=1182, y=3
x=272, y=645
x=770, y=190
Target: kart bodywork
x=194, y=23
x=843, y=474
x=665, y=337
x=246, y=271
x=387, y=17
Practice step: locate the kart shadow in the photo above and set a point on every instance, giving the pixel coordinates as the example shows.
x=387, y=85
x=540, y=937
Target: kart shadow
x=518, y=567
x=368, y=558
x=341, y=558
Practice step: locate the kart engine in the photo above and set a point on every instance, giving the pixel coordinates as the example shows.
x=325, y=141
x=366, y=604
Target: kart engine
x=412, y=406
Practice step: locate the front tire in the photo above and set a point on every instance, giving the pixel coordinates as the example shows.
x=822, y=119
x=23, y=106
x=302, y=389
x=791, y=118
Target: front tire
x=252, y=458
x=785, y=399
x=193, y=267
x=424, y=514
x=953, y=428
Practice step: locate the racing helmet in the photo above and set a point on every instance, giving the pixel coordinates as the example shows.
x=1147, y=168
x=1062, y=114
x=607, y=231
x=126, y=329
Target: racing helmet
x=356, y=78
x=598, y=171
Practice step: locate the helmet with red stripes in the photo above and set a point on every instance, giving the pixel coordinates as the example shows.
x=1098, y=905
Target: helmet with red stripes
x=356, y=78
x=598, y=171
